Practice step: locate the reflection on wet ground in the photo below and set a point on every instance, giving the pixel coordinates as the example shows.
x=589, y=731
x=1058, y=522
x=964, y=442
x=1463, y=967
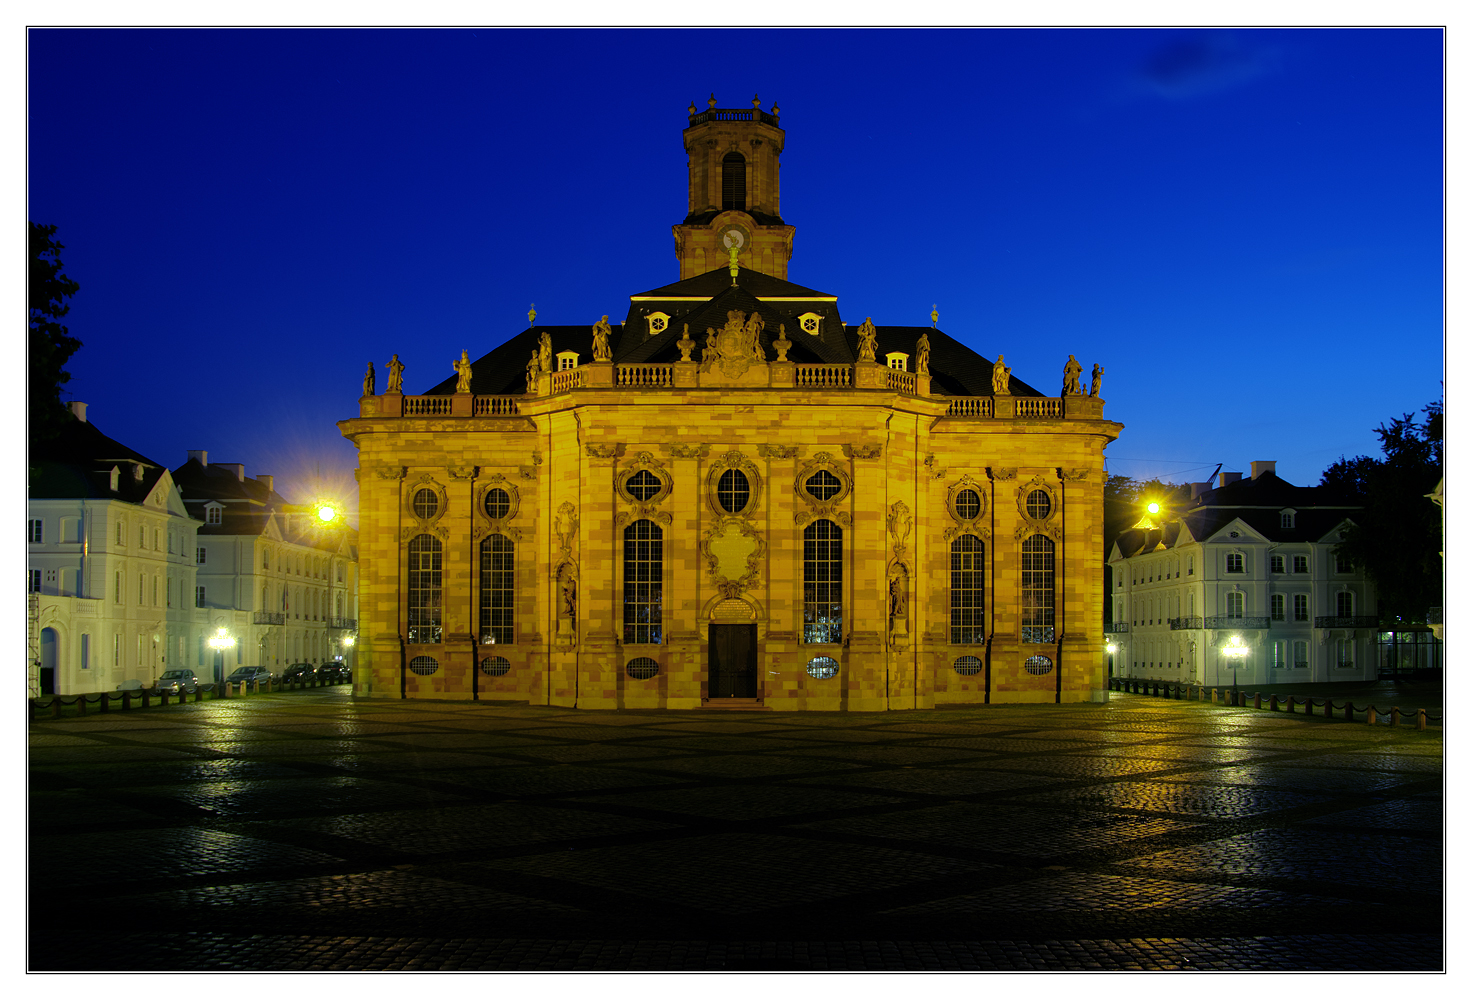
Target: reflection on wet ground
x=306, y=830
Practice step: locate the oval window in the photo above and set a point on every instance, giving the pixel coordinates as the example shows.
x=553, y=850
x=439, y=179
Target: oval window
x=822, y=667
x=642, y=668
x=967, y=666
x=1039, y=505
x=644, y=485
x=498, y=504
x=733, y=491
x=424, y=665
x=495, y=666
x=823, y=485
x=1038, y=665
x=968, y=504
x=426, y=504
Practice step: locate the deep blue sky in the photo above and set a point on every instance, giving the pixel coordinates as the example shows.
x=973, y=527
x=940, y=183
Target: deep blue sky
x=1244, y=227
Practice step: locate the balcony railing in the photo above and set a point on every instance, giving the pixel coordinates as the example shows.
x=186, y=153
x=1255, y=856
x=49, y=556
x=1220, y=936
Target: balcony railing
x=1176, y=624
x=1112, y=627
x=901, y=381
x=1346, y=621
x=565, y=380
x=1033, y=406
x=733, y=115
x=825, y=376
x=269, y=618
x=342, y=623
x=644, y=376
x=496, y=406
x=427, y=406
x=1227, y=621
x=970, y=406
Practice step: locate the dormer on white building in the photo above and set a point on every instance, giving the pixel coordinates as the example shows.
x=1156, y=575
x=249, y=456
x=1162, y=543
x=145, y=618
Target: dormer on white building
x=214, y=513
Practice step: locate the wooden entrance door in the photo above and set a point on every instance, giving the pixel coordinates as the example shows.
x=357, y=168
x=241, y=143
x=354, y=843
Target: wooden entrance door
x=732, y=662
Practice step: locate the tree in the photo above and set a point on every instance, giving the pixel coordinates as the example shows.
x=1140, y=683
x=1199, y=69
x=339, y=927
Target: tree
x=1397, y=539
x=51, y=346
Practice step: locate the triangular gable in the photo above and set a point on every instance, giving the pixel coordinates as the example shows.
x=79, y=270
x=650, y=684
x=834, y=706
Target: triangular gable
x=1245, y=532
x=1332, y=534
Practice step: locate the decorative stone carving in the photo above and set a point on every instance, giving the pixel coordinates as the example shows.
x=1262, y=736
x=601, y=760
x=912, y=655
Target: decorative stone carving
x=1052, y=524
x=937, y=471
x=733, y=553
x=442, y=503
x=969, y=525
x=485, y=522
x=1098, y=378
x=1073, y=475
x=463, y=472
x=782, y=345
x=370, y=377
x=544, y=351
x=736, y=347
x=643, y=462
x=922, y=354
x=605, y=450
x=687, y=450
x=685, y=344
x=812, y=508
x=777, y=450
x=1001, y=472
x=1001, y=379
x=462, y=372
x=1071, y=372
x=733, y=460
x=601, y=350
x=899, y=598
x=868, y=342
x=393, y=472
x=899, y=522
x=395, y=375
x=863, y=450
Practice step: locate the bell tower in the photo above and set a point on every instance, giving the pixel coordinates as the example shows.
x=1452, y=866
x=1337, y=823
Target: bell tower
x=734, y=194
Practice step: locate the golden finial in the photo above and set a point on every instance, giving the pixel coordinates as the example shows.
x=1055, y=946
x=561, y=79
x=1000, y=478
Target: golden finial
x=776, y=111
x=692, y=107
x=712, y=101
x=735, y=268
x=531, y=315
x=934, y=316
x=756, y=100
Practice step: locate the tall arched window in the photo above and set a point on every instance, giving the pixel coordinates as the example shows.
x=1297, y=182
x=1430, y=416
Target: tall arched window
x=822, y=582
x=643, y=582
x=968, y=589
x=733, y=182
x=1037, y=589
x=426, y=602
x=497, y=590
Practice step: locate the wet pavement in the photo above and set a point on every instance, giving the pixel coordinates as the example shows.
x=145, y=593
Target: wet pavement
x=309, y=831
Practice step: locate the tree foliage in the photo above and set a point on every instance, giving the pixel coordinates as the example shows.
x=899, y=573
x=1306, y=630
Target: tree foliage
x=51, y=345
x=1397, y=540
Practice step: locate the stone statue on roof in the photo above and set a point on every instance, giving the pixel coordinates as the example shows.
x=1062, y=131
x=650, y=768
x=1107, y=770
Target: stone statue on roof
x=1098, y=377
x=922, y=355
x=544, y=351
x=736, y=346
x=868, y=342
x=601, y=330
x=395, y=375
x=462, y=369
x=1001, y=379
x=1071, y=372
x=369, y=380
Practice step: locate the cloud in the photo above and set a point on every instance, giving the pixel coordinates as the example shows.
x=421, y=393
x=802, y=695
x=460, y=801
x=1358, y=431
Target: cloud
x=1201, y=65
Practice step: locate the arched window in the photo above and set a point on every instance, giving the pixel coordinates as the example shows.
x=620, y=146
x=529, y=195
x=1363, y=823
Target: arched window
x=968, y=589
x=1344, y=604
x=1236, y=604
x=1037, y=589
x=426, y=602
x=822, y=582
x=733, y=182
x=643, y=582
x=497, y=590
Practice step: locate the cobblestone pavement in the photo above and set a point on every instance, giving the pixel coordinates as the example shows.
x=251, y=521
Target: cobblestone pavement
x=308, y=830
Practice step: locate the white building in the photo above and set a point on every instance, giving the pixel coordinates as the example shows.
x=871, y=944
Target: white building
x=288, y=584
x=110, y=574
x=1252, y=558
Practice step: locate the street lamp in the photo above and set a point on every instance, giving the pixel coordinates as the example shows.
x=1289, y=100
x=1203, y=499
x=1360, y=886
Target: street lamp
x=1235, y=650
x=219, y=642
x=1112, y=649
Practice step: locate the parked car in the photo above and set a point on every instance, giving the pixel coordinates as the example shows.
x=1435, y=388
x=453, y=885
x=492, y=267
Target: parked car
x=300, y=673
x=174, y=681
x=249, y=675
x=334, y=672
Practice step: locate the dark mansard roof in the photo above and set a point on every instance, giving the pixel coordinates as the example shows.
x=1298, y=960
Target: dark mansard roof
x=79, y=462
x=701, y=303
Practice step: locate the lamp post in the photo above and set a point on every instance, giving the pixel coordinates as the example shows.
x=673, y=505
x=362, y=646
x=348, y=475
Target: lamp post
x=1112, y=649
x=347, y=644
x=219, y=642
x=1235, y=650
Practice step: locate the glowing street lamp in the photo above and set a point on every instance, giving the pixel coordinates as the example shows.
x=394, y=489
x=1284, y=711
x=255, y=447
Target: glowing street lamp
x=327, y=511
x=1235, y=650
x=219, y=642
x=1111, y=648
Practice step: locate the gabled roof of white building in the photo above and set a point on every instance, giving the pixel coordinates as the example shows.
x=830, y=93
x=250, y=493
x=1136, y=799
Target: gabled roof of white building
x=79, y=464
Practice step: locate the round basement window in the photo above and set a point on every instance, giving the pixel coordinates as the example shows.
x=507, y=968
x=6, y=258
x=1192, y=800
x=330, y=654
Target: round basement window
x=642, y=668
x=1038, y=665
x=822, y=667
x=424, y=665
x=495, y=666
x=967, y=666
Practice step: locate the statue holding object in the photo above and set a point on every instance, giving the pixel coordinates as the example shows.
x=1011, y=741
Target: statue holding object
x=1098, y=377
x=601, y=330
x=1071, y=372
x=395, y=375
x=1001, y=378
x=462, y=369
x=368, y=380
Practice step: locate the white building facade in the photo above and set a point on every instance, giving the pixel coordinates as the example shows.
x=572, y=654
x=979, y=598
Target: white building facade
x=1251, y=559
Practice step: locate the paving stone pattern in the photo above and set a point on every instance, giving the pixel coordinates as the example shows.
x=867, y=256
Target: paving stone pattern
x=308, y=831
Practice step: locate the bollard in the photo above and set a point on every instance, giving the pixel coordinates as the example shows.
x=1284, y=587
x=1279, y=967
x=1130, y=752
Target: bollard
x=1272, y=703
x=1420, y=718
x=102, y=702
x=1257, y=700
x=1370, y=716
x=56, y=706
x=198, y=694
x=1394, y=717
x=1348, y=711
x=127, y=700
x=1213, y=696
x=81, y=705
x=1290, y=704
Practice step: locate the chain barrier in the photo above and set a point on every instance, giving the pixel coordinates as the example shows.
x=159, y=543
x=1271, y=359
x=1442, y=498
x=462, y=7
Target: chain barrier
x=131, y=700
x=1371, y=714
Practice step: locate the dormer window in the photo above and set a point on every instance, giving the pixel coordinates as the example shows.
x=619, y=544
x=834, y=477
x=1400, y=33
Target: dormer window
x=1285, y=519
x=112, y=479
x=658, y=323
x=567, y=360
x=898, y=361
x=811, y=323
x=213, y=514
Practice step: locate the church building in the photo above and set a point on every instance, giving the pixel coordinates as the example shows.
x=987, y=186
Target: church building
x=735, y=498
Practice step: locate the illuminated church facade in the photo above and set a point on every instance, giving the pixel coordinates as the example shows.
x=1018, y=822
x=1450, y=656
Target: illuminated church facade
x=732, y=499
